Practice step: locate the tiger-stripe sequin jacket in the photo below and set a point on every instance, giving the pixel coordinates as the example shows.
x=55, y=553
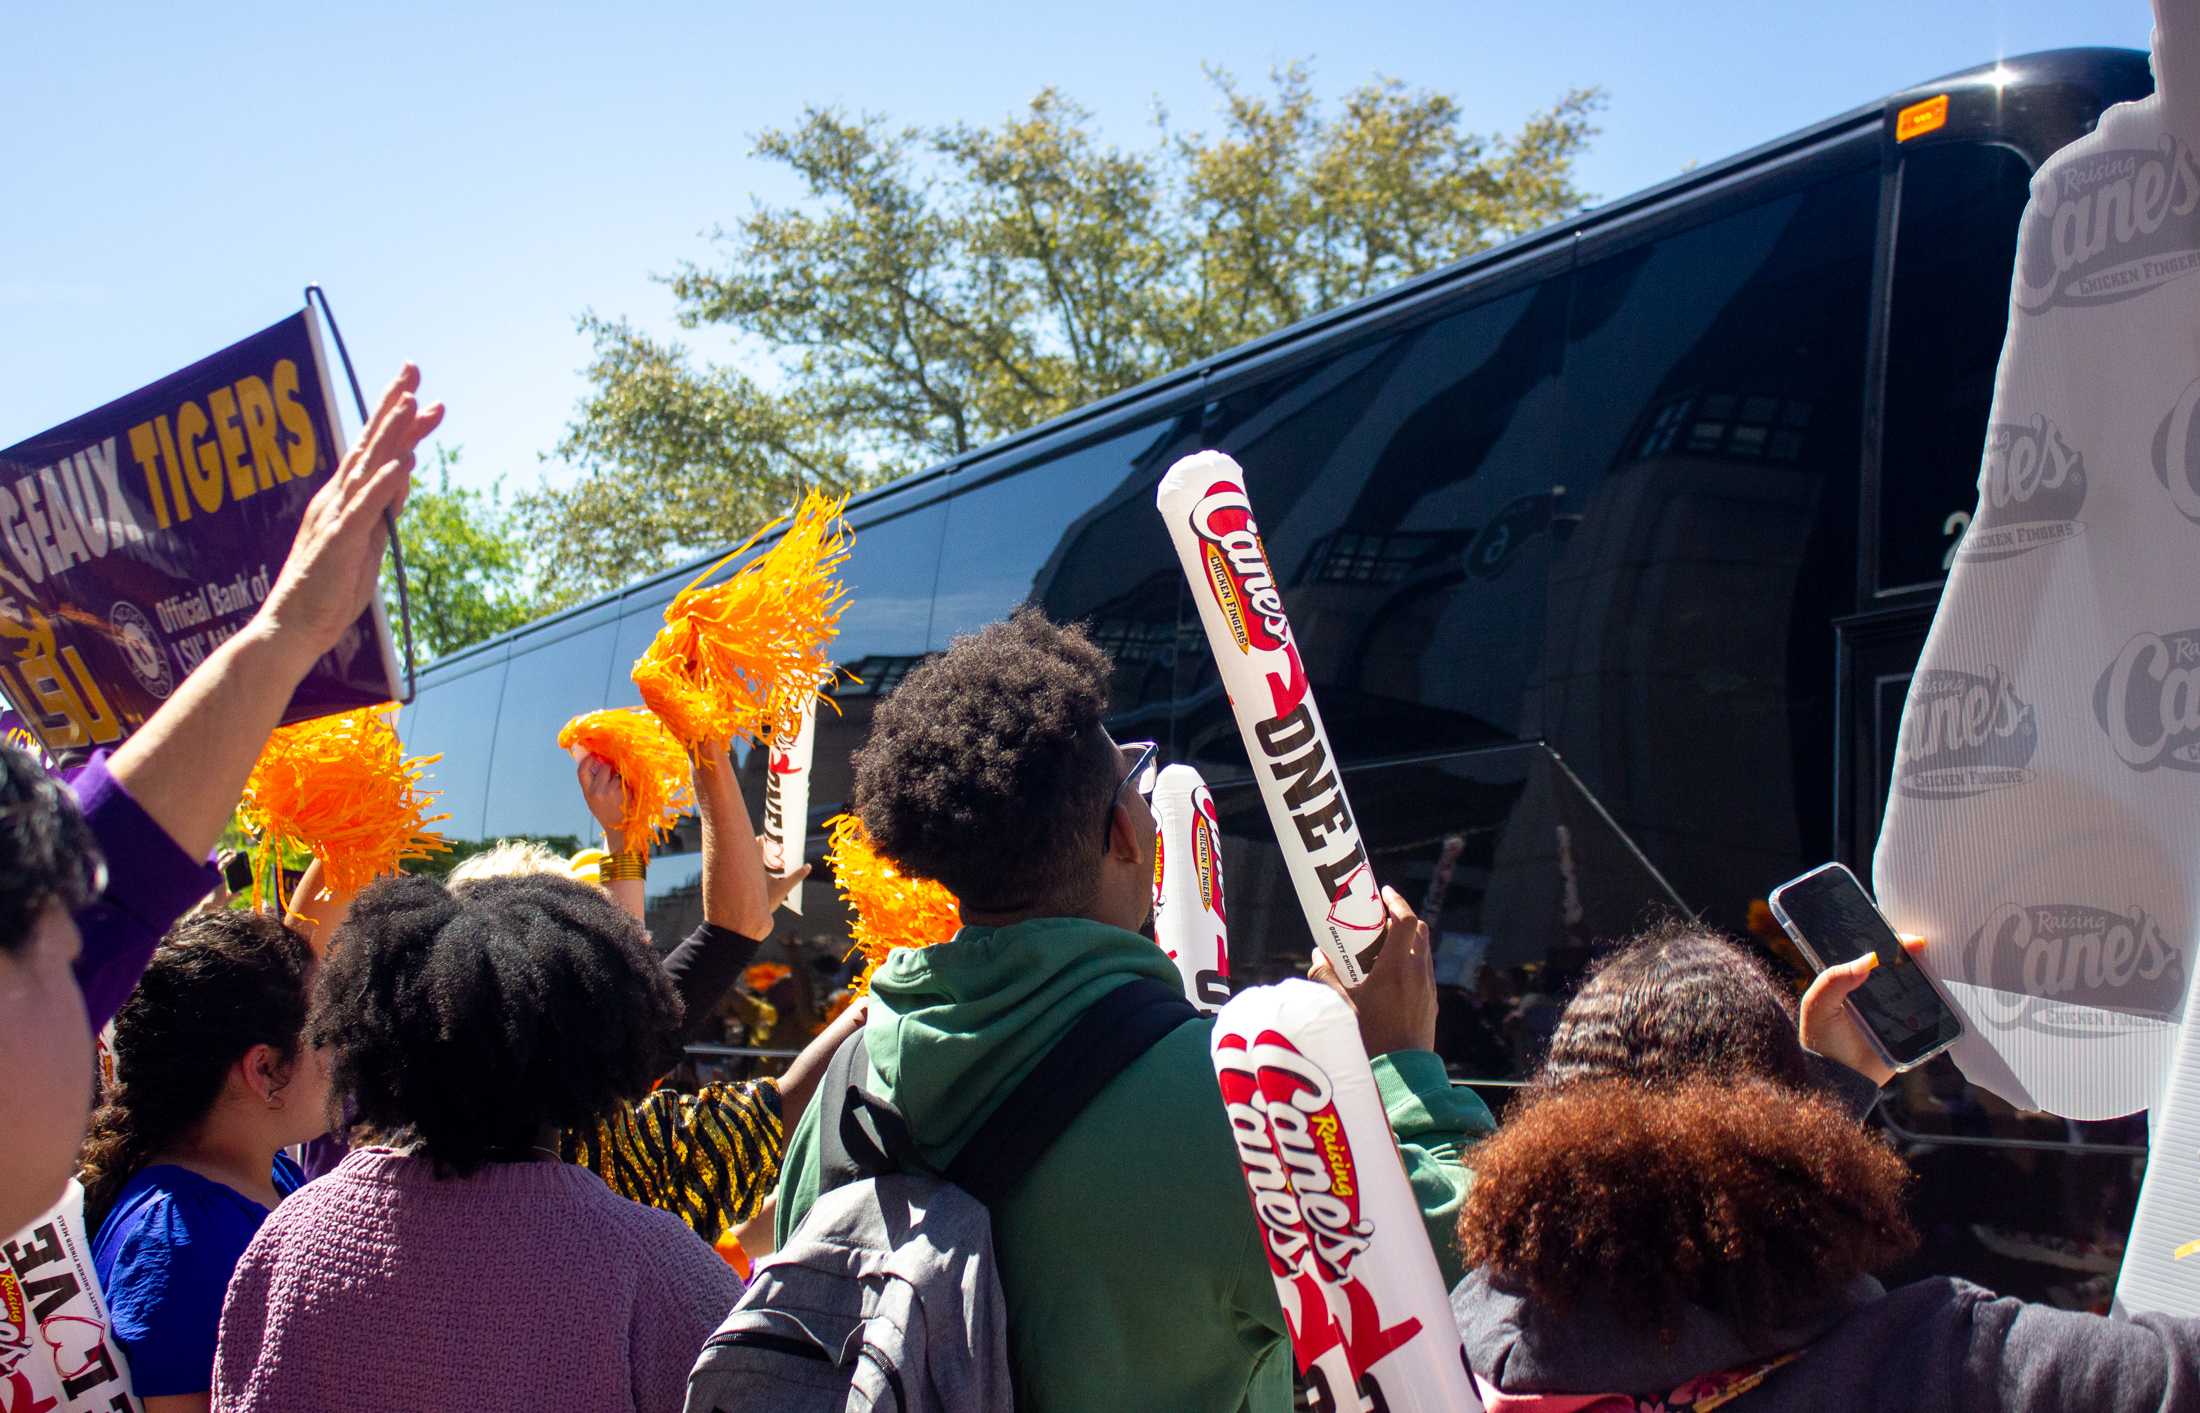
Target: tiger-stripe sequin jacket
x=708, y=1158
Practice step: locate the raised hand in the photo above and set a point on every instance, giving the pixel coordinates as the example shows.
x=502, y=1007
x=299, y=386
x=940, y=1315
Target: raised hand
x=1396, y=1003
x=1828, y=1027
x=335, y=562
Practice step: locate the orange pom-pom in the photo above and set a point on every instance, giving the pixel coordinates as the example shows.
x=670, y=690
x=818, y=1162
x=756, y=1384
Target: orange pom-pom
x=742, y=657
x=764, y=976
x=891, y=908
x=343, y=788
x=651, y=764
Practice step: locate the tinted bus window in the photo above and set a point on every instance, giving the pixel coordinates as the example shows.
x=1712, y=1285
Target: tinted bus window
x=1955, y=241
x=1079, y=537
x=1517, y=873
x=531, y=786
x=1713, y=405
x=1407, y=497
x=457, y=716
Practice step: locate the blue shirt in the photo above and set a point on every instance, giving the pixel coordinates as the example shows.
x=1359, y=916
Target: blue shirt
x=164, y=1257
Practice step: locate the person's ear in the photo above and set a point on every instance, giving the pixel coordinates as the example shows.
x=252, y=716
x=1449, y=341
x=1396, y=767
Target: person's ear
x=266, y=1073
x=1122, y=834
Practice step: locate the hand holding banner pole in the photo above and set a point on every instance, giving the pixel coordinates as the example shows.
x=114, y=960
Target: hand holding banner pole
x=1210, y=519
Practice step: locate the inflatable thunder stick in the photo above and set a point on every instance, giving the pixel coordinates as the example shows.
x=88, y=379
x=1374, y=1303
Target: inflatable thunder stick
x=1219, y=544
x=787, y=799
x=1188, y=917
x=1343, y=1234
x=57, y=1354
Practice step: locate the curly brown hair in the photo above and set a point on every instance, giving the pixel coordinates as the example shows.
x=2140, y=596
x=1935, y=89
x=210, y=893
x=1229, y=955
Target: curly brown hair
x=1672, y=1003
x=1746, y=1198
x=220, y=983
x=988, y=769
x=476, y=1019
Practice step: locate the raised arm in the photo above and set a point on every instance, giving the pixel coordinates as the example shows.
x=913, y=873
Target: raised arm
x=606, y=796
x=737, y=893
x=187, y=765
x=739, y=898
x=313, y=916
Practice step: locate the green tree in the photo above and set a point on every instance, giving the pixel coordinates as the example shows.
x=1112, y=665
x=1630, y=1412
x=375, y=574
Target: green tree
x=938, y=288
x=466, y=570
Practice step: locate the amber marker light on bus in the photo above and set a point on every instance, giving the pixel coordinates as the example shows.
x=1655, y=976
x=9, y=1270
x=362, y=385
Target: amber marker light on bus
x=1921, y=118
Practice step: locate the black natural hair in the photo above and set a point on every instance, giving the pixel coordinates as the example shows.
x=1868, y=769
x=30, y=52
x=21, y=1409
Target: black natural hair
x=219, y=983
x=47, y=852
x=988, y=769
x=1677, y=1002
x=471, y=1022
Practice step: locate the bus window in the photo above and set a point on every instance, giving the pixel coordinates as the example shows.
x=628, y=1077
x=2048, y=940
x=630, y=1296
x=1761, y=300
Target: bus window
x=1713, y=410
x=1519, y=876
x=531, y=789
x=1955, y=241
x=457, y=717
x=1407, y=496
x=1077, y=536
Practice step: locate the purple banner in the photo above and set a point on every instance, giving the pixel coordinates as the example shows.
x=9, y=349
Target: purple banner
x=135, y=539
x=16, y=732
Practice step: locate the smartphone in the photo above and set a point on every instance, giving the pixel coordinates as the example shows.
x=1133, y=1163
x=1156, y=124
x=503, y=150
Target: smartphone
x=1833, y=920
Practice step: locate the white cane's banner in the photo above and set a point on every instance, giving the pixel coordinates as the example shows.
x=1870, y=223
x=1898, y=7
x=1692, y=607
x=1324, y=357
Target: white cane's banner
x=1210, y=519
x=1189, y=918
x=57, y=1354
x=1971, y=734
x=2039, y=828
x=787, y=799
x=1369, y=1319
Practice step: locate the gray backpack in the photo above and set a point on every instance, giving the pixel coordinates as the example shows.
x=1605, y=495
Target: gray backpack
x=887, y=1296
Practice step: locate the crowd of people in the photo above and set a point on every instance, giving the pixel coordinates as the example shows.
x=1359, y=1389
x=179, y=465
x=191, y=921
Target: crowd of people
x=495, y=1209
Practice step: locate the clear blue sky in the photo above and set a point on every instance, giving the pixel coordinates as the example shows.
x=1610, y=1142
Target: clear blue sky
x=465, y=183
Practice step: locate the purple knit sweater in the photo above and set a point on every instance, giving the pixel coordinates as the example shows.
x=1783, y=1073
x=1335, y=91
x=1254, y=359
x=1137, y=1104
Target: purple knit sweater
x=524, y=1286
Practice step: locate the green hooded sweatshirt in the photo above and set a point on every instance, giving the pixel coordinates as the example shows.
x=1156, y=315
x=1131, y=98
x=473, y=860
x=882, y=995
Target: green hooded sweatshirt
x=1129, y=1257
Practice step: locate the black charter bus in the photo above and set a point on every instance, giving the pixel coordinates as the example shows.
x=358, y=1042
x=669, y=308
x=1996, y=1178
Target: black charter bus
x=1609, y=551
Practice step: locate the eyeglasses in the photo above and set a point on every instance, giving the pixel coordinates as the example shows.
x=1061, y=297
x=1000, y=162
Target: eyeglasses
x=1145, y=770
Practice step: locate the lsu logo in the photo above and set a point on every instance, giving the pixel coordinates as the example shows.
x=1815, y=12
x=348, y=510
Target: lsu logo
x=1244, y=585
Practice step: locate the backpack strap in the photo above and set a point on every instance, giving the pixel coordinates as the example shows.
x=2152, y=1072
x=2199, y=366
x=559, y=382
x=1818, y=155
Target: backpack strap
x=859, y=1134
x=1113, y=1032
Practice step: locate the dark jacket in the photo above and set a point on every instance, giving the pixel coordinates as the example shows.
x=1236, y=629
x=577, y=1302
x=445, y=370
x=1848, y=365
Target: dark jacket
x=1942, y=1345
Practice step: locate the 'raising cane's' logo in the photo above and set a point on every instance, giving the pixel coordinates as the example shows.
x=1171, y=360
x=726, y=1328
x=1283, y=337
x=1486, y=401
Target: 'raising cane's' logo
x=2045, y=967
x=2177, y=453
x=2110, y=226
x=1244, y=586
x=1964, y=734
x=2148, y=701
x=1207, y=857
x=2031, y=489
x=1306, y=1190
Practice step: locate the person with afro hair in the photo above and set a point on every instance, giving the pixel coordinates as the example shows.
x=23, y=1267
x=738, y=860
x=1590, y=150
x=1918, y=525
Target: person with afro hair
x=1131, y=1264
x=1685, y=1207
x=463, y=1263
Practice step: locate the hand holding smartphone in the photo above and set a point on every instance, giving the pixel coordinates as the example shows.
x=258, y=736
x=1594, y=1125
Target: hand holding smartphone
x=1833, y=920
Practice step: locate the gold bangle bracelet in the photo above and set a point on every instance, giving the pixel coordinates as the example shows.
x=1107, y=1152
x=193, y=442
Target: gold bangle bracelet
x=627, y=867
